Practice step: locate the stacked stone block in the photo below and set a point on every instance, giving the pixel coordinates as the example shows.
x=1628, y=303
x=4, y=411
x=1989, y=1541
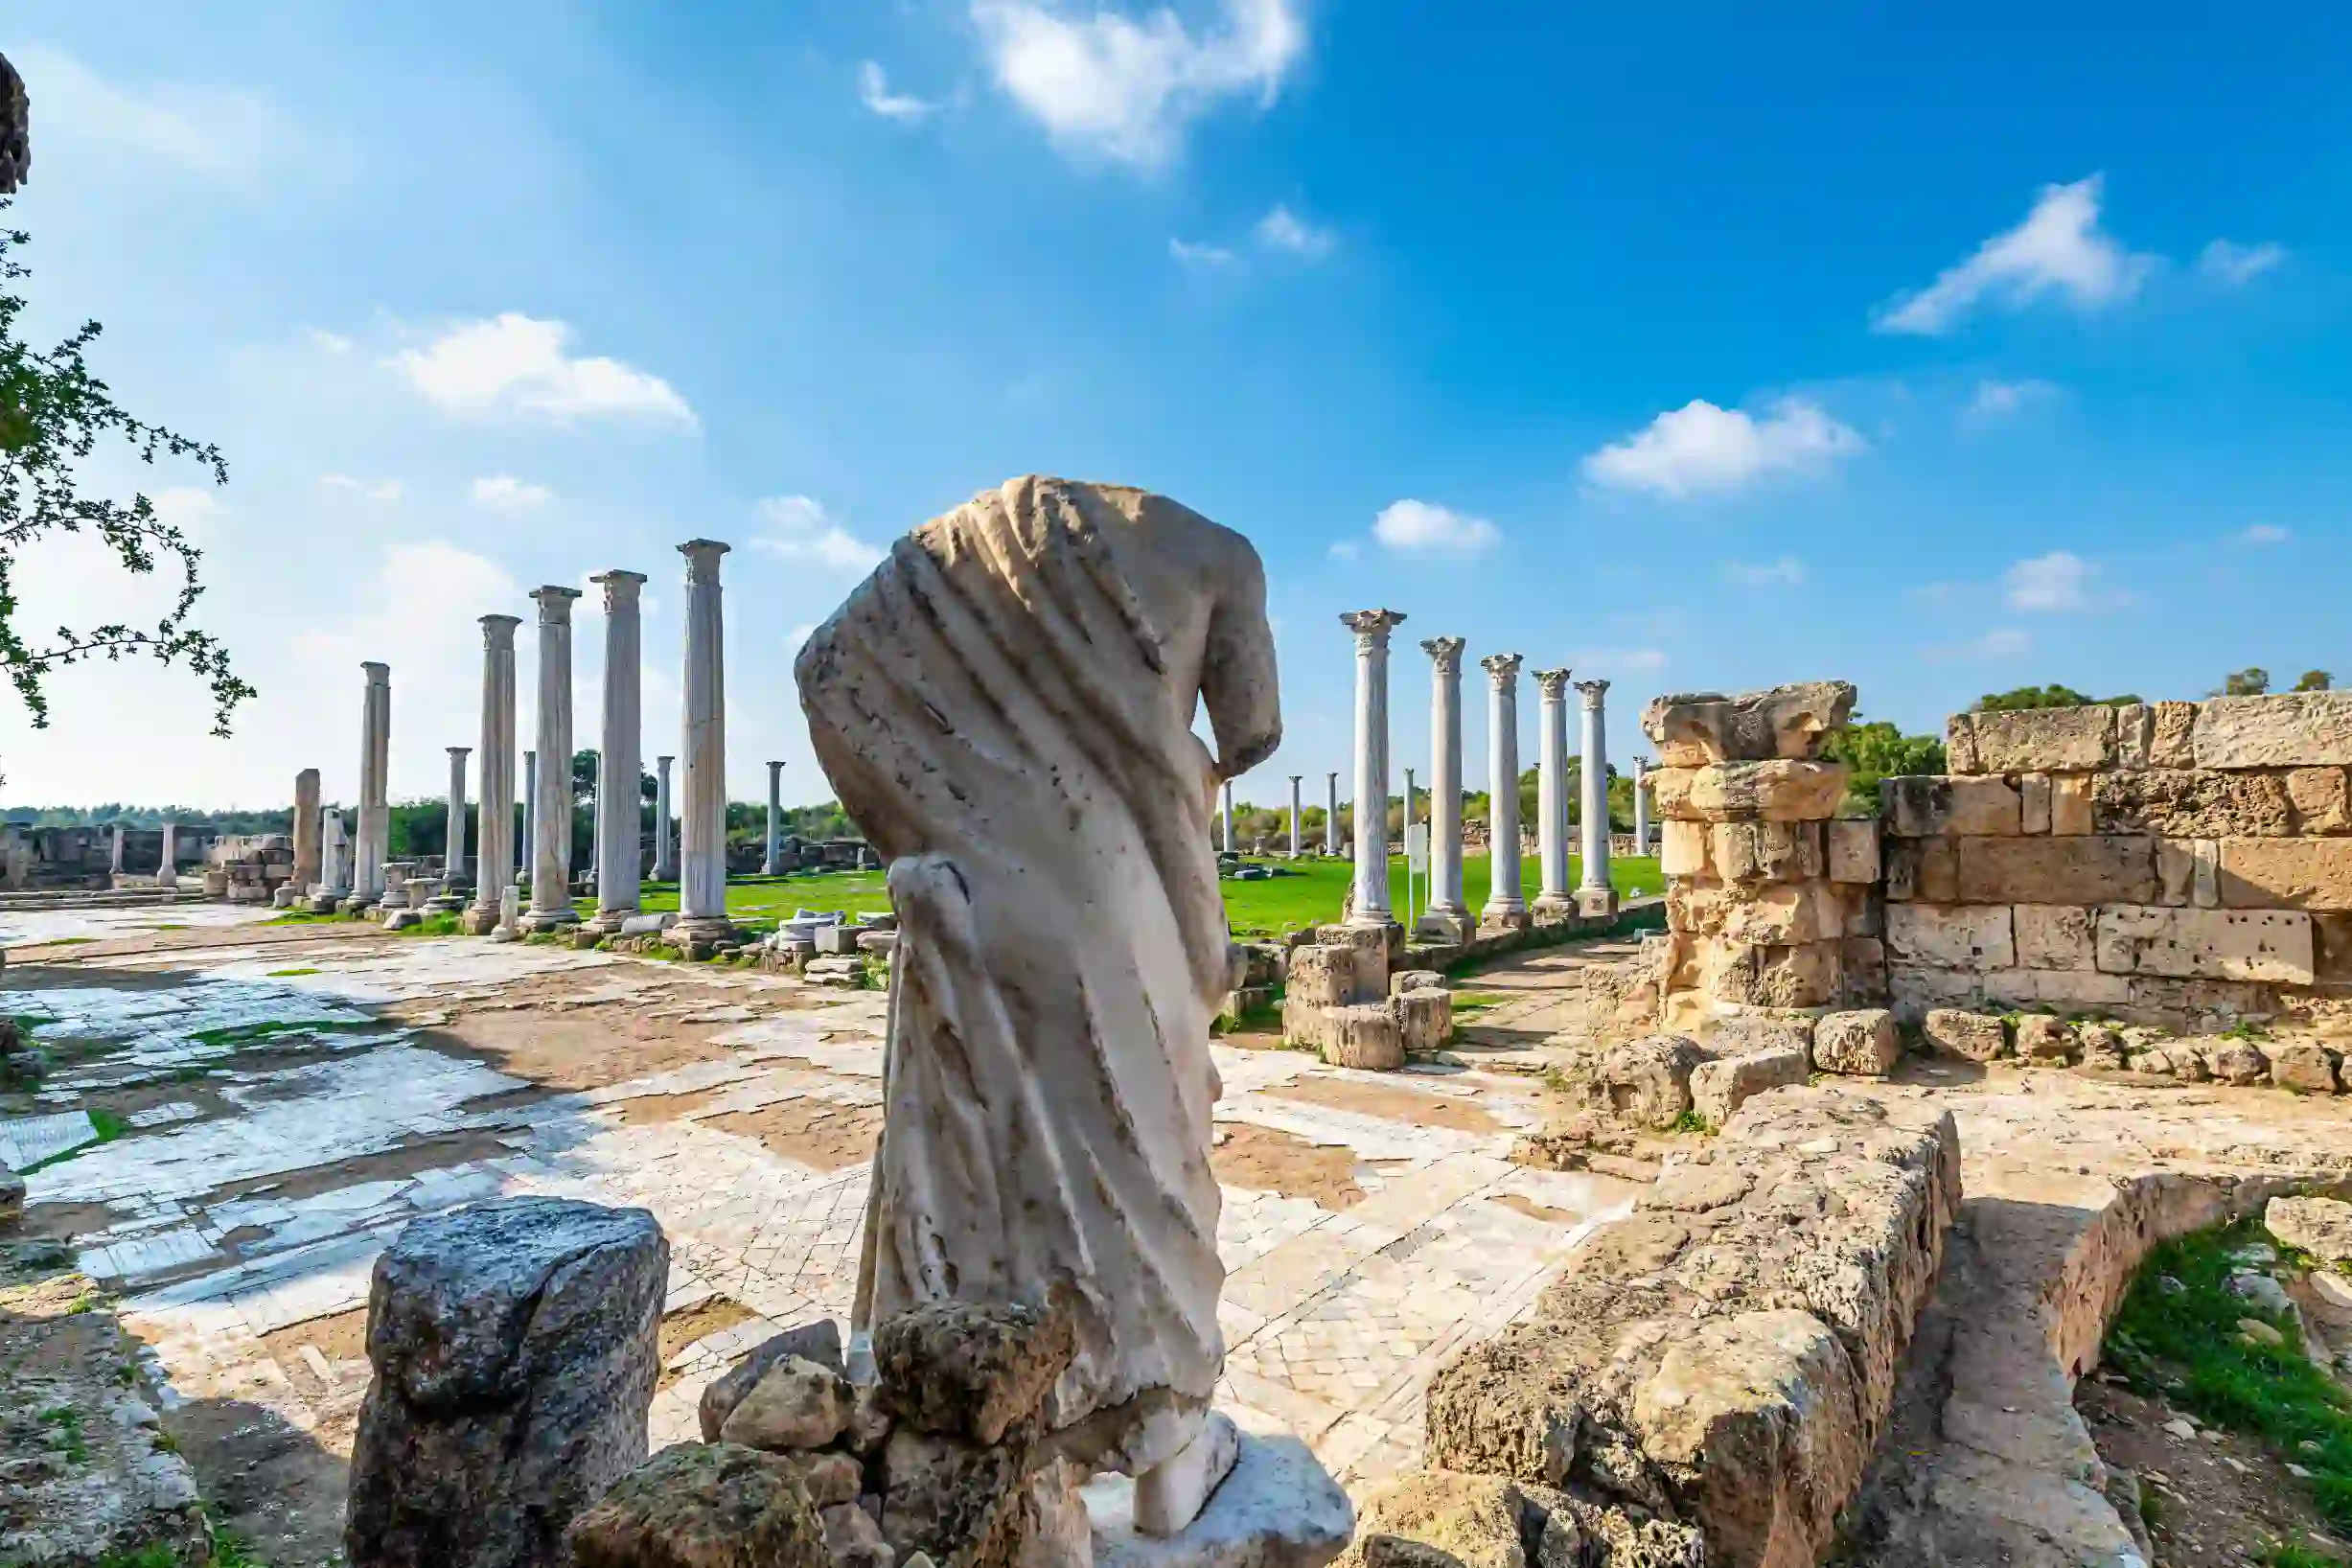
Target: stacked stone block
x=1770, y=902
x=1341, y=1000
x=2176, y=864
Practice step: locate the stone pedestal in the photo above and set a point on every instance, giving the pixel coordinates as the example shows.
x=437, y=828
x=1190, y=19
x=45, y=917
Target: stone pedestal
x=701, y=880
x=552, y=905
x=1596, y=899
x=620, y=864
x=1555, y=901
x=515, y=1345
x=1276, y=1508
x=1372, y=628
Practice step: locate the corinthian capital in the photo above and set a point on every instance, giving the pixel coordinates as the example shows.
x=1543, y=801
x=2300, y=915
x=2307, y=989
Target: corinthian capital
x=1554, y=683
x=1371, y=627
x=1592, y=692
x=1503, y=669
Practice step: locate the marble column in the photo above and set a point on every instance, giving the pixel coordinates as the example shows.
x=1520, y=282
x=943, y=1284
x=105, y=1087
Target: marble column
x=620, y=857
x=167, y=873
x=524, y=850
x=1506, y=905
x=552, y=905
x=305, y=832
x=374, y=827
x=665, y=850
x=1448, y=917
x=596, y=806
x=1372, y=628
x=1294, y=813
x=1331, y=814
x=1596, y=899
x=334, y=862
x=1641, y=806
x=1552, y=795
x=118, y=843
x=702, y=878
x=769, y=865
x=451, y=896
x=1228, y=828
x=494, y=850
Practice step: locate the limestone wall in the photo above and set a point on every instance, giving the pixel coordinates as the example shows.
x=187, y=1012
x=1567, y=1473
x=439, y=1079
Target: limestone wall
x=2179, y=863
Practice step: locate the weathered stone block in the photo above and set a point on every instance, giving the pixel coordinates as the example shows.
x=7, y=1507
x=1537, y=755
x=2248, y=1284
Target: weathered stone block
x=972, y=1370
x=1424, y=1017
x=2054, y=937
x=2071, y=810
x=1682, y=849
x=515, y=1344
x=2331, y=941
x=1646, y=1081
x=1766, y=851
x=1977, y=1037
x=1926, y=869
x=1795, y=975
x=1926, y=806
x=1773, y=791
x=2034, y=803
x=696, y=1506
x=2321, y=1227
x=1790, y=721
x=1864, y=980
x=1960, y=744
x=1322, y=976
x=1952, y=936
x=2263, y=945
x=2304, y=1066
x=2234, y=1061
x=1853, y=849
x=2055, y=740
x=2135, y=734
x=1430, y=1518
x=2044, y=1039
x=2292, y=729
x=1722, y=1086
x=1369, y=1036
x=957, y=1502
x=2286, y=873
x=2191, y=803
x=795, y=1404
x=1762, y=913
x=1864, y=1043
x=2171, y=735
x=2091, y=869
x=2319, y=800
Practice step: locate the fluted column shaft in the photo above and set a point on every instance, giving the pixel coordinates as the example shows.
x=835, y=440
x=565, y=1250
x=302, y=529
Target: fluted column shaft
x=771, y=864
x=1551, y=791
x=1445, y=777
x=1228, y=828
x=620, y=864
x=305, y=832
x=166, y=872
x=551, y=904
x=118, y=841
x=1372, y=628
x=374, y=829
x=453, y=837
x=666, y=845
x=528, y=847
x=494, y=858
x=701, y=880
x=1505, y=902
x=1594, y=895
x=1294, y=813
x=1331, y=814
x=1641, y=806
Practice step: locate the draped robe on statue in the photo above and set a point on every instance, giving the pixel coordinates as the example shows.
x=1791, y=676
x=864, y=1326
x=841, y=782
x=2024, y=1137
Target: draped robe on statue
x=1005, y=708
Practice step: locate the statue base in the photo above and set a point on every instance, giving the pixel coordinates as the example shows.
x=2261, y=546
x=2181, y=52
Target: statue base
x=1277, y=1507
x=1597, y=903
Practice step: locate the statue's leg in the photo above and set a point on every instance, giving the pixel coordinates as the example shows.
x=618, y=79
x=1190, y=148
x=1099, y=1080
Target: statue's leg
x=1063, y=1537
x=1171, y=1494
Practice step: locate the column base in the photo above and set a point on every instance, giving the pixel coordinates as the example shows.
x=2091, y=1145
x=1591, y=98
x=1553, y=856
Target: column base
x=1597, y=903
x=704, y=927
x=360, y=902
x=1448, y=925
x=608, y=922
x=536, y=921
x=1551, y=909
x=1502, y=920
x=477, y=921
x=445, y=903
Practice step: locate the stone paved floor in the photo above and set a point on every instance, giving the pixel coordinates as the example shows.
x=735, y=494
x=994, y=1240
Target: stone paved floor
x=293, y=1101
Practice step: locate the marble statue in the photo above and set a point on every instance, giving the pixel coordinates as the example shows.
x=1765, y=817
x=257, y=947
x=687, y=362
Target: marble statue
x=1005, y=709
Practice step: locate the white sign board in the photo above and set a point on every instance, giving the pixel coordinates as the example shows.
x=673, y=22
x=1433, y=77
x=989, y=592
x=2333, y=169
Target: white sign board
x=1416, y=846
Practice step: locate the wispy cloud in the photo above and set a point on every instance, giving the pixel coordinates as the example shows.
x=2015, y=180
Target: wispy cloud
x=2059, y=581
x=218, y=133
x=1108, y=86
x=1998, y=399
x=2059, y=249
x=515, y=364
x=1786, y=572
x=382, y=492
x=504, y=493
x=1617, y=661
x=2261, y=535
x=1700, y=449
x=800, y=530
x=2228, y=262
x=1283, y=230
x=1201, y=255
x=1999, y=643
x=1413, y=527
x=1346, y=550
x=874, y=92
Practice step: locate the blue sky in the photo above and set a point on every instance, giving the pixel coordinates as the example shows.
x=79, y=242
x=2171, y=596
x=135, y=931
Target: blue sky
x=1701, y=349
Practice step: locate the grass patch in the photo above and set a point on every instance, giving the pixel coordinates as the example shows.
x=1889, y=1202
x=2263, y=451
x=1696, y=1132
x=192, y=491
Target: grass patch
x=290, y=974
x=2183, y=1344
x=2282, y=1555
x=444, y=924
x=65, y=1422
x=247, y=1034
x=63, y=941
x=1476, y=1002
x=109, y=1126
x=1691, y=1122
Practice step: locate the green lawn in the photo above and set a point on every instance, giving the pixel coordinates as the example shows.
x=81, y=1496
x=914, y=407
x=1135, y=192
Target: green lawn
x=1309, y=893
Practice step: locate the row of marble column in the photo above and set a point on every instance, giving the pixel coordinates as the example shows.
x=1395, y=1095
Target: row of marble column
x=1448, y=916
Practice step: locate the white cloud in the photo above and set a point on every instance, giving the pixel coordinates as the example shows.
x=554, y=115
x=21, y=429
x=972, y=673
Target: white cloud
x=504, y=493
x=188, y=508
x=220, y=134
x=874, y=92
x=2057, y=581
x=1283, y=230
x=1998, y=399
x=2262, y=534
x=330, y=342
x=1786, y=572
x=2227, y=262
x=1202, y=255
x=1700, y=449
x=1346, y=550
x=1999, y=643
x=1113, y=87
x=1417, y=527
x=2057, y=249
x=514, y=364
x=379, y=491
x=802, y=530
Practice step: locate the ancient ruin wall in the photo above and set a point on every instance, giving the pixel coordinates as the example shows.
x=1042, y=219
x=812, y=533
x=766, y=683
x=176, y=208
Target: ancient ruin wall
x=2178, y=864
